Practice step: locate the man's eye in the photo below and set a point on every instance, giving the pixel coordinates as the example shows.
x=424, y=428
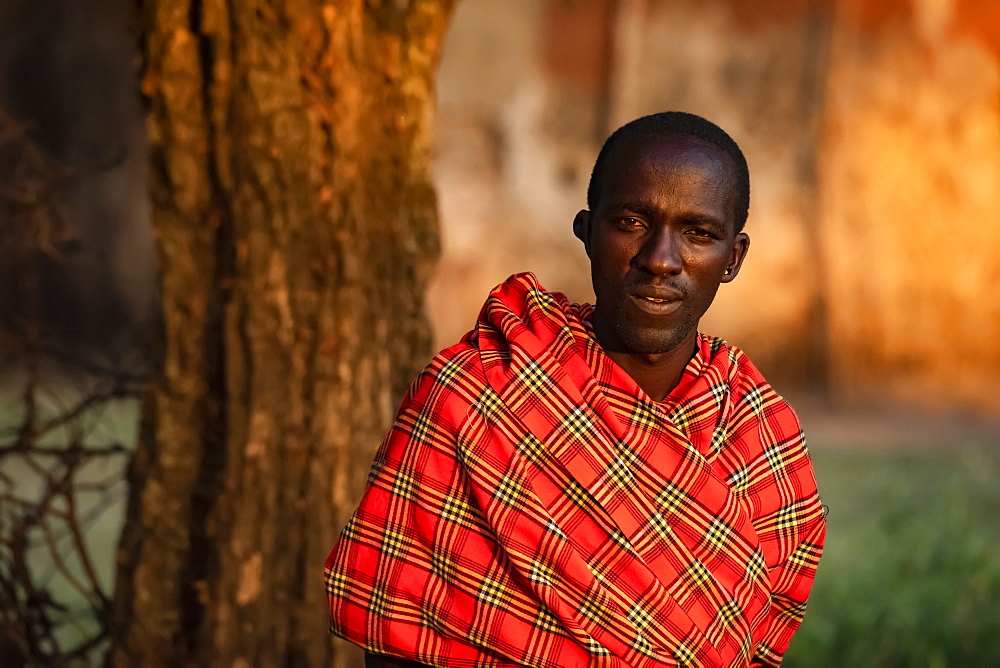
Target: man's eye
x=701, y=233
x=630, y=221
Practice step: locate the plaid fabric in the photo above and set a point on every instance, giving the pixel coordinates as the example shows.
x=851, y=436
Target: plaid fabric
x=532, y=506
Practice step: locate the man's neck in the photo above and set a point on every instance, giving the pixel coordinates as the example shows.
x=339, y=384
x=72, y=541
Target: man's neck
x=657, y=374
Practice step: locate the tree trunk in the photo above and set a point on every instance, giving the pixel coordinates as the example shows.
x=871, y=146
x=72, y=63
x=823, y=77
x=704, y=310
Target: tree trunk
x=296, y=227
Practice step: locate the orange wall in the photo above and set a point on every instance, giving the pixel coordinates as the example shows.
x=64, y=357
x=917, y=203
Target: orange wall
x=910, y=209
x=873, y=134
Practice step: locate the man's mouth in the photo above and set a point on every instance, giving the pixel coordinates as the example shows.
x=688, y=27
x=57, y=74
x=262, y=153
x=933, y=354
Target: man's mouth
x=658, y=295
x=664, y=304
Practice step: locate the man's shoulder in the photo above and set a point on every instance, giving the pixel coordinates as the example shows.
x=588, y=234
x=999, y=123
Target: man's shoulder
x=461, y=359
x=745, y=380
x=733, y=361
x=453, y=373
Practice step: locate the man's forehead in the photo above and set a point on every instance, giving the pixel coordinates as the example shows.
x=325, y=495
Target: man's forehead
x=670, y=154
x=665, y=147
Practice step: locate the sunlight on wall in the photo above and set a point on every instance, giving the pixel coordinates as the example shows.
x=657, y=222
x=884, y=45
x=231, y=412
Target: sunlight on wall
x=873, y=135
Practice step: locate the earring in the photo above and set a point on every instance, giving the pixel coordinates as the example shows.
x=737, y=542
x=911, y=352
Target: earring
x=728, y=271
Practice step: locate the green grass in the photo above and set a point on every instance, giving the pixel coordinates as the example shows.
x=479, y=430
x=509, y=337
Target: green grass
x=911, y=571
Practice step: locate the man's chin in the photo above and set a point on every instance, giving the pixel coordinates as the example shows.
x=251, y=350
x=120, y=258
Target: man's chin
x=656, y=342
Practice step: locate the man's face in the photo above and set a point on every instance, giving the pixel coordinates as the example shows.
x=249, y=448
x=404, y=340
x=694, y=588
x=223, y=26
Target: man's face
x=660, y=240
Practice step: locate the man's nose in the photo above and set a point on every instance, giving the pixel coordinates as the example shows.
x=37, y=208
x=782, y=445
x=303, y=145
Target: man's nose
x=660, y=253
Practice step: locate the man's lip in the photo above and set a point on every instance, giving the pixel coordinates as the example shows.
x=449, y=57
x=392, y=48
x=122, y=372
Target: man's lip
x=658, y=295
x=656, y=306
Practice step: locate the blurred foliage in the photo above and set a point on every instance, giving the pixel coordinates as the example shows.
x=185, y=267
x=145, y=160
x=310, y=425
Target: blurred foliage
x=63, y=450
x=30, y=221
x=911, y=572
x=62, y=486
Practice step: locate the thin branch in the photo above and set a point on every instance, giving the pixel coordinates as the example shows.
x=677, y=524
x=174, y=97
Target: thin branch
x=44, y=457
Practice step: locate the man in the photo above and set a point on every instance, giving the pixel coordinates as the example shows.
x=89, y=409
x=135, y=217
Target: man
x=577, y=486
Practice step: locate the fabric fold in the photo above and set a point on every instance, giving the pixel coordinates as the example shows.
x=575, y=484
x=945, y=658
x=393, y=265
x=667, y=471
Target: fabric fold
x=532, y=506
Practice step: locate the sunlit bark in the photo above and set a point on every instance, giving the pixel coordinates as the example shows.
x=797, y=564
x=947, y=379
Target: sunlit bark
x=296, y=226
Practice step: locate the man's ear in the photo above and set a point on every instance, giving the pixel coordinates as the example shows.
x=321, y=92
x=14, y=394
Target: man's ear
x=581, y=229
x=740, y=247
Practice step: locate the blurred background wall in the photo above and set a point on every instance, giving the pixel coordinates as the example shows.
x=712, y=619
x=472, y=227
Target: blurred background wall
x=67, y=79
x=872, y=131
x=873, y=136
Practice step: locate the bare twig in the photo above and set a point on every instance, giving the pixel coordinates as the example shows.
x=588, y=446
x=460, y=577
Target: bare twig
x=53, y=605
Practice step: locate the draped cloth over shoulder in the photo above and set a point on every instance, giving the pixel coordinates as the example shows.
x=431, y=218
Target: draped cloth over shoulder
x=532, y=506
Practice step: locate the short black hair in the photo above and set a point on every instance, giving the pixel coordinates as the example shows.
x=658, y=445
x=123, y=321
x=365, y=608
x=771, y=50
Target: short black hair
x=685, y=124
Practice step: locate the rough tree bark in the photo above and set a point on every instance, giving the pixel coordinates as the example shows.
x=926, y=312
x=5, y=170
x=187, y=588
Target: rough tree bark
x=296, y=226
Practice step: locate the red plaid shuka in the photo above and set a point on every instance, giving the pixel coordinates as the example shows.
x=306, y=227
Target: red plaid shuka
x=532, y=506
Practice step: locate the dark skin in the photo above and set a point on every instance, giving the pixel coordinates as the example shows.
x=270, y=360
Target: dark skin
x=661, y=239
